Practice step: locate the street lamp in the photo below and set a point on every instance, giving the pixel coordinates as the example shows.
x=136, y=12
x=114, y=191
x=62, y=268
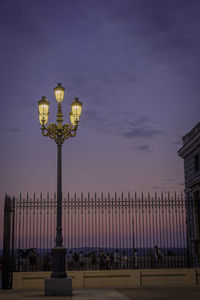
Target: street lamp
x=59, y=133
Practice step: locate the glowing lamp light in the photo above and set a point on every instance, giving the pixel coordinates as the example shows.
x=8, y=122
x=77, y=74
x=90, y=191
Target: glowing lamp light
x=72, y=119
x=76, y=109
x=43, y=107
x=59, y=91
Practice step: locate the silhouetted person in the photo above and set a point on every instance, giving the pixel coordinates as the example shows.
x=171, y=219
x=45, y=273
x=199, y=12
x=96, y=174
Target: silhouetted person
x=46, y=262
x=75, y=256
x=124, y=260
x=101, y=260
x=81, y=260
x=94, y=261
x=107, y=261
x=70, y=261
x=116, y=259
x=111, y=260
x=158, y=255
x=135, y=258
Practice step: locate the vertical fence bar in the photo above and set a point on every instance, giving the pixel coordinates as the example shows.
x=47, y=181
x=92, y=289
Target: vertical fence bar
x=116, y=223
x=13, y=238
x=122, y=224
x=180, y=230
x=43, y=238
x=75, y=224
x=92, y=223
x=82, y=222
x=88, y=223
x=127, y=235
x=143, y=232
x=40, y=232
x=78, y=222
x=26, y=207
x=173, y=228
x=112, y=227
x=120, y=232
x=105, y=224
x=109, y=224
x=6, y=280
x=151, y=230
x=146, y=230
x=37, y=229
x=176, y=232
x=130, y=233
x=51, y=221
x=30, y=235
x=161, y=245
x=85, y=222
x=19, y=234
x=16, y=247
x=23, y=225
x=68, y=222
x=135, y=210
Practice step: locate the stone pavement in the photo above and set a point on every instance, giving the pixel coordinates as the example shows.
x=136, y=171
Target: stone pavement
x=162, y=293
x=86, y=294
x=172, y=293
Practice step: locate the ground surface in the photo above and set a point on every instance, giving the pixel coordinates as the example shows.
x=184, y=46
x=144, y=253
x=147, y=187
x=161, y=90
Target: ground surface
x=182, y=293
x=175, y=293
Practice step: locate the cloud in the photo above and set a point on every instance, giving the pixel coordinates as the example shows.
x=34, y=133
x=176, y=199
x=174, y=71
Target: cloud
x=141, y=132
x=142, y=148
x=169, y=181
x=155, y=187
x=160, y=188
x=10, y=130
x=126, y=124
x=14, y=130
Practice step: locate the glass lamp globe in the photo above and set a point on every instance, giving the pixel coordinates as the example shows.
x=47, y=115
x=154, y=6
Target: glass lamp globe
x=43, y=108
x=59, y=91
x=76, y=109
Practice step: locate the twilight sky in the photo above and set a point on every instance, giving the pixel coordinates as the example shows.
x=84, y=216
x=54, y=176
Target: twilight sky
x=134, y=64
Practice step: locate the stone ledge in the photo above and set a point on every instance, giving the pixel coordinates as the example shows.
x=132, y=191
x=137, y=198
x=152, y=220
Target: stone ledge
x=114, y=278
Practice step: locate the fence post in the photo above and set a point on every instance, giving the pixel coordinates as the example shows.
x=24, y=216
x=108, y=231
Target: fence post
x=7, y=265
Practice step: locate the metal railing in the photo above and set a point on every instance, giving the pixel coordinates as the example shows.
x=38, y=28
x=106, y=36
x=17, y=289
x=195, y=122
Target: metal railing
x=105, y=232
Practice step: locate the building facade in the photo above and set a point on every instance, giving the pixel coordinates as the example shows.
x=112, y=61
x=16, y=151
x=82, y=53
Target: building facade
x=190, y=152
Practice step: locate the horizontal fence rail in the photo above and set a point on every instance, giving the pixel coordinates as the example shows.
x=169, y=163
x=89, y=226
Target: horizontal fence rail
x=107, y=232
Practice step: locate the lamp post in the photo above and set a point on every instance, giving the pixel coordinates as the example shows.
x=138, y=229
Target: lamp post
x=59, y=133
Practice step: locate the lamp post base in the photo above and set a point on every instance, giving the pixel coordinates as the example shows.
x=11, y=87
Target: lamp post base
x=58, y=268
x=58, y=286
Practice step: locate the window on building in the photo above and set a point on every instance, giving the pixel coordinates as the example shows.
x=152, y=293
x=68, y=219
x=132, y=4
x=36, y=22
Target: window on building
x=196, y=162
x=197, y=214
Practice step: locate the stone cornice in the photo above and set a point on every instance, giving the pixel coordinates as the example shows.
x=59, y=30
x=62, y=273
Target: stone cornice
x=191, y=141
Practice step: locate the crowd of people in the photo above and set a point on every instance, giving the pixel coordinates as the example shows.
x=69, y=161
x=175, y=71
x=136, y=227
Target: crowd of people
x=108, y=260
x=32, y=261
x=95, y=260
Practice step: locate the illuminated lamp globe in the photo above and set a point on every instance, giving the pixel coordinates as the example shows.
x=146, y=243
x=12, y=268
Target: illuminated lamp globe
x=59, y=91
x=43, y=108
x=72, y=119
x=76, y=109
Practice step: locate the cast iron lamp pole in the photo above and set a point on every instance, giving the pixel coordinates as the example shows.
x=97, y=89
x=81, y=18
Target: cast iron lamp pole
x=59, y=133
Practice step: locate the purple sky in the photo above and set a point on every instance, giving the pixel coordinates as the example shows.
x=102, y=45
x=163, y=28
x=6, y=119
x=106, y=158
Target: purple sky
x=135, y=65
